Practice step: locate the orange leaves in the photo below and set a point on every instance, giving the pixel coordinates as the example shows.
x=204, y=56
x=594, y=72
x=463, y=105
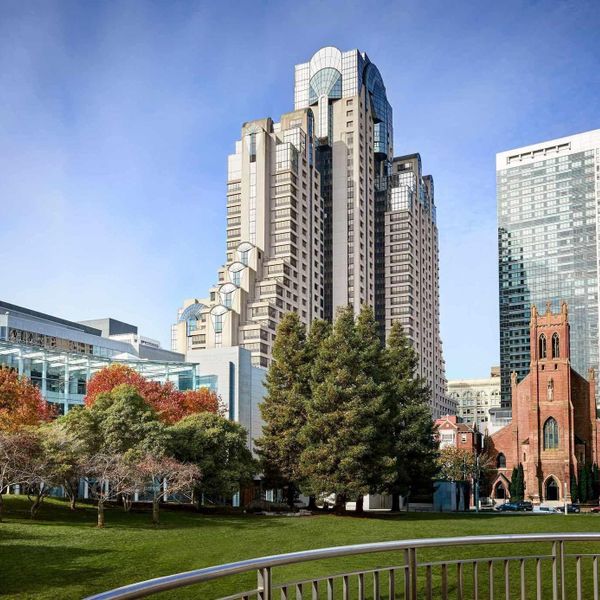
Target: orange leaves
x=170, y=403
x=21, y=403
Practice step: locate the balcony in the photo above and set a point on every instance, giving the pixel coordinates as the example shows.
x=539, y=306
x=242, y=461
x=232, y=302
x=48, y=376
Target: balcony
x=457, y=567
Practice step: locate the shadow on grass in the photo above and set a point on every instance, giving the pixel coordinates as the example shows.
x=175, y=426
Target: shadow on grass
x=33, y=569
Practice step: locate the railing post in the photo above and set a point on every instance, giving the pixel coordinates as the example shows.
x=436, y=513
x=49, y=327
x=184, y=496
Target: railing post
x=554, y=571
x=412, y=573
x=264, y=584
x=561, y=546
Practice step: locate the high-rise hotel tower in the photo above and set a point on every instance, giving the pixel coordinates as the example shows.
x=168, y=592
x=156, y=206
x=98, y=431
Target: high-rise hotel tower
x=321, y=215
x=548, y=203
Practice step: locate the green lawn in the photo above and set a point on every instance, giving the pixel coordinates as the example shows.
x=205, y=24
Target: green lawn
x=63, y=555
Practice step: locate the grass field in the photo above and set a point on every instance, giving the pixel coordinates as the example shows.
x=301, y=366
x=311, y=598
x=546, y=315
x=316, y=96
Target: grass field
x=62, y=555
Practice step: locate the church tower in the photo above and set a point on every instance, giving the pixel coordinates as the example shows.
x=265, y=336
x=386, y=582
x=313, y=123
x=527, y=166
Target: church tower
x=553, y=432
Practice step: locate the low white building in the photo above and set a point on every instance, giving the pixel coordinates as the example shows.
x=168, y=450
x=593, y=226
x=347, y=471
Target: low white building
x=475, y=398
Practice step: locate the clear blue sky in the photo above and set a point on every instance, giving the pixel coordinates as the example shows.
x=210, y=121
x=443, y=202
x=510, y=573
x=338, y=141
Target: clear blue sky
x=116, y=119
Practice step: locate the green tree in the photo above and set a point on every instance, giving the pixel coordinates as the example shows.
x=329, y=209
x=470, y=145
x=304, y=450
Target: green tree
x=574, y=488
x=585, y=483
x=380, y=461
x=119, y=422
x=517, y=484
x=409, y=424
x=342, y=418
x=284, y=407
x=218, y=447
x=455, y=464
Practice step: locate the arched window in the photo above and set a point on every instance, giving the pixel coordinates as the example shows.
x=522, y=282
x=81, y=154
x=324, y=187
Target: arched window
x=555, y=346
x=550, y=434
x=542, y=352
x=501, y=461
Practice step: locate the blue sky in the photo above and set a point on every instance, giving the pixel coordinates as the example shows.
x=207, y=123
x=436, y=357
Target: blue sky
x=116, y=119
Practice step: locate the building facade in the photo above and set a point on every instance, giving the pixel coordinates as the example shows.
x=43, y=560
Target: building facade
x=548, y=197
x=451, y=433
x=554, y=427
x=477, y=399
x=60, y=357
x=321, y=215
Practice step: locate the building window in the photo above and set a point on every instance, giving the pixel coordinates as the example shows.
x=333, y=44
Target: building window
x=542, y=345
x=501, y=461
x=550, y=434
x=555, y=346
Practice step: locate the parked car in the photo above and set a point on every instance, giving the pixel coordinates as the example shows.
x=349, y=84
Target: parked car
x=571, y=508
x=595, y=509
x=545, y=510
x=508, y=506
x=525, y=505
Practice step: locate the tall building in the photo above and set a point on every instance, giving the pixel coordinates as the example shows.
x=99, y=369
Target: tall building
x=548, y=197
x=321, y=215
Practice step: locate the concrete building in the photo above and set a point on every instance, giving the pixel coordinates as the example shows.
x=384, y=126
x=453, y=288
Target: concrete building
x=320, y=215
x=554, y=428
x=476, y=400
x=548, y=197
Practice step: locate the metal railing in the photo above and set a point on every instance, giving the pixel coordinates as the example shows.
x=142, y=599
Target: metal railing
x=556, y=575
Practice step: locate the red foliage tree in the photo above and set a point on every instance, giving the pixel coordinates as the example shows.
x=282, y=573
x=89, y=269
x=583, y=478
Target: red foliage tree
x=21, y=402
x=170, y=403
x=106, y=379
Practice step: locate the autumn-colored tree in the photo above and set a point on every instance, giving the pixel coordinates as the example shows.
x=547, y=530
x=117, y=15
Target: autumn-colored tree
x=109, y=378
x=177, y=405
x=165, y=476
x=170, y=404
x=21, y=403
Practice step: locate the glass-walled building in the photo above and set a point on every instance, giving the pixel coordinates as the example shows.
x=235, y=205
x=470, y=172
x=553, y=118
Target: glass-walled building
x=548, y=197
x=62, y=376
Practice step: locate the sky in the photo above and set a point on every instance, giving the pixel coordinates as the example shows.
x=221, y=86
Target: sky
x=116, y=119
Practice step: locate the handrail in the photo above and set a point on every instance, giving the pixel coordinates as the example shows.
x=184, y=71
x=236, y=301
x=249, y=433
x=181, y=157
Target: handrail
x=170, y=582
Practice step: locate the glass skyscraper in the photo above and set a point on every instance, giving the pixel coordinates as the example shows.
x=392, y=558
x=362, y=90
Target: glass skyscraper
x=548, y=202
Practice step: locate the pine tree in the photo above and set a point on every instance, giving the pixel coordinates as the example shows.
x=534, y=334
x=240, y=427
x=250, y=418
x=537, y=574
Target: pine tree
x=410, y=426
x=520, y=483
x=284, y=407
x=585, y=483
x=574, y=488
x=342, y=417
x=379, y=463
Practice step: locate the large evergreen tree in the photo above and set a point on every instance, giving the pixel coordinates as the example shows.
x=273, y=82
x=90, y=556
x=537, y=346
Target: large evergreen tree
x=409, y=425
x=342, y=416
x=284, y=407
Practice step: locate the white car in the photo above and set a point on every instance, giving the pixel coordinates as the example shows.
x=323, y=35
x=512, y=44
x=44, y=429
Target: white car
x=545, y=510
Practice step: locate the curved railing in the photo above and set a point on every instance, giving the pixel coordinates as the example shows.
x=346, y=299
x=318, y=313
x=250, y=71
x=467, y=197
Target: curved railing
x=556, y=574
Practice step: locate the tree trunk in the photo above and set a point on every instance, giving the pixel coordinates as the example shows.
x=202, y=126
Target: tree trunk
x=395, y=502
x=72, y=501
x=35, y=507
x=360, y=505
x=340, y=504
x=291, y=495
x=1, y=505
x=312, y=503
x=156, y=511
x=100, y=513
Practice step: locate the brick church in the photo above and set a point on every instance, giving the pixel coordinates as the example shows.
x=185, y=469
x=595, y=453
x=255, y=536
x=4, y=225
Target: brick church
x=554, y=428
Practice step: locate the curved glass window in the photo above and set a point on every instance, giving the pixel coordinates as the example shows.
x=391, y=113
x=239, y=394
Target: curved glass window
x=542, y=345
x=550, y=434
x=555, y=346
x=325, y=82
